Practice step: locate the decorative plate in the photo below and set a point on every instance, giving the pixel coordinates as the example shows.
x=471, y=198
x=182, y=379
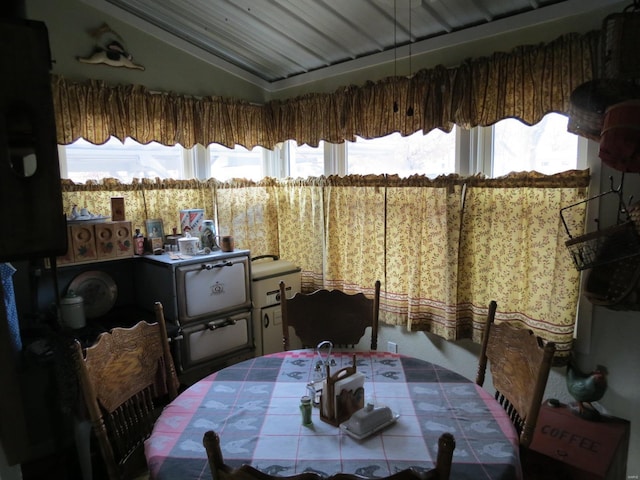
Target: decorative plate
x=97, y=289
x=87, y=219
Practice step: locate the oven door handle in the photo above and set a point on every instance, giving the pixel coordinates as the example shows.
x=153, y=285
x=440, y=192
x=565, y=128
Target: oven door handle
x=225, y=323
x=209, y=266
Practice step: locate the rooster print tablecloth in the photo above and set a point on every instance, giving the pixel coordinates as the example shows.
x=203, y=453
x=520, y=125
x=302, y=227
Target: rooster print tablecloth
x=254, y=407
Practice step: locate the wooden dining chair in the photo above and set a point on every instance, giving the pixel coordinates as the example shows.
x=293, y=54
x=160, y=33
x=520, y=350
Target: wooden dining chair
x=519, y=363
x=126, y=377
x=330, y=315
x=222, y=471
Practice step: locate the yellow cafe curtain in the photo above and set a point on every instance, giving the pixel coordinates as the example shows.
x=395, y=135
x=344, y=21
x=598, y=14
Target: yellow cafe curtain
x=443, y=248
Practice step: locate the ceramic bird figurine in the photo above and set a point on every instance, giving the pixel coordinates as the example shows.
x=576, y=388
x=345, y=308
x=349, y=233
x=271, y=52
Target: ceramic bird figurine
x=586, y=388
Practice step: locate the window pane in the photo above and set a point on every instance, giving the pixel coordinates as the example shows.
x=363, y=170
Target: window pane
x=306, y=161
x=545, y=147
x=227, y=163
x=432, y=154
x=125, y=162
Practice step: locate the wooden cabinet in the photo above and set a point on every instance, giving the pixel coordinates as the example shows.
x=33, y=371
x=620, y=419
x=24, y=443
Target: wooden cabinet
x=569, y=447
x=83, y=242
x=90, y=242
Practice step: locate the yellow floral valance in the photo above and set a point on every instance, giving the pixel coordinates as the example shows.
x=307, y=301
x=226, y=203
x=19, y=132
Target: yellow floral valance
x=526, y=83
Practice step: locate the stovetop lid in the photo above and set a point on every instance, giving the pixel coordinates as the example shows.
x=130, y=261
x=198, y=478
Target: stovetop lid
x=167, y=259
x=262, y=269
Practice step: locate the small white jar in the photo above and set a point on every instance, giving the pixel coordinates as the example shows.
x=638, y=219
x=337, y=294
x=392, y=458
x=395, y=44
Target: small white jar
x=188, y=245
x=72, y=310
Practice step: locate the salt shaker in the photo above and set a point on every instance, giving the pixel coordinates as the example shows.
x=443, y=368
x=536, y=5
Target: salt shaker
x=305, y=410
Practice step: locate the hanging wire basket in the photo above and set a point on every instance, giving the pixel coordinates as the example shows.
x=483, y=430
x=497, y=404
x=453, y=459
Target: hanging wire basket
x=616, y=285
x=604, y=246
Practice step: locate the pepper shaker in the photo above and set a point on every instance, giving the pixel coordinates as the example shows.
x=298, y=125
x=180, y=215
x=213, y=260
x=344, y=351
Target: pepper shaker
x=305, y=410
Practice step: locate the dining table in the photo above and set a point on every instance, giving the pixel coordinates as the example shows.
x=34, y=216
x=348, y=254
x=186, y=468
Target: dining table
x=254, y=407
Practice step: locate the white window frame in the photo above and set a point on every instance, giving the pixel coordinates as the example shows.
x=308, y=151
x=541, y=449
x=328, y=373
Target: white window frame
x=474, y=154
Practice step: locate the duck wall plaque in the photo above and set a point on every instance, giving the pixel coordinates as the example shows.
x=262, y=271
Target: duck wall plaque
x=109, y=50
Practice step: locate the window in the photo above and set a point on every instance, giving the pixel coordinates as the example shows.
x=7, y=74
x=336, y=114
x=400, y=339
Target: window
x=432, y=154
x=227, y=163
x=545, y=147
x=124, y=161
x=306, y=161
x=508, y=146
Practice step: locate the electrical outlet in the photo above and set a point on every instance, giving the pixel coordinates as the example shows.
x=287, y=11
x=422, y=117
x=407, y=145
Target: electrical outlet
x=392, y=347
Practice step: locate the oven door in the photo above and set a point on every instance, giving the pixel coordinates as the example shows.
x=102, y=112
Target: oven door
x=267, y=325
x=214, y=339
x=212, y=288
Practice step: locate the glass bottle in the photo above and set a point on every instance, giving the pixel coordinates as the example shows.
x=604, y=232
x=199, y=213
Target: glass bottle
x=138, y=242
x=208, y=237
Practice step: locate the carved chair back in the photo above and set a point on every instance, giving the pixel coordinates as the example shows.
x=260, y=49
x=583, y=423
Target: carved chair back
x=125, y=377
x=221, y=471
x=519, y=362
x=330, y=315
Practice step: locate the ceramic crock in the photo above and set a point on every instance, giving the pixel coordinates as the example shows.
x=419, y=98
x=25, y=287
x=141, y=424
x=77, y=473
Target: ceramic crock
x=188, y=245
x=72, y=310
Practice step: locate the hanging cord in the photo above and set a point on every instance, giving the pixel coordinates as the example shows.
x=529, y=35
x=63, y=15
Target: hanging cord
x=395, y=55
x=410, y=40
x=144, y=202
x=386, y=210
x=410, y=108
x=395, y=38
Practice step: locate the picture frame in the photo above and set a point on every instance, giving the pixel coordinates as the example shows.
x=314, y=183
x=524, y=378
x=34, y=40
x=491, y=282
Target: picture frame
x=117, y=209
x=154, y=228
x=156, y=242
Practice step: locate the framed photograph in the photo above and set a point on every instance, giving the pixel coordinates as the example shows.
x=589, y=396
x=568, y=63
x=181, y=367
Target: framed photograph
x=154, y=228
x=117, y=209
x=156, y=242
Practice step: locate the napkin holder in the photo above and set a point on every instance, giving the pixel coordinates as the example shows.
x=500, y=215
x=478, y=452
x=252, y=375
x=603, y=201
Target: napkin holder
x=342, y=395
